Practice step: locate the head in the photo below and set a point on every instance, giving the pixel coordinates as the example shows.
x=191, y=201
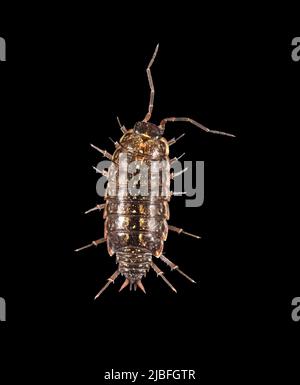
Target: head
x=148, y=129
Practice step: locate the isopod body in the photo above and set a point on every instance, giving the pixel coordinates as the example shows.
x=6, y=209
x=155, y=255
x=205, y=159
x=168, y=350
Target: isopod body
x=136, y=208
x=136, y=225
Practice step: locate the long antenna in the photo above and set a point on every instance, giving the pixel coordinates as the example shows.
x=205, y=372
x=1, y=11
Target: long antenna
x=152, y=91
x=192, y=121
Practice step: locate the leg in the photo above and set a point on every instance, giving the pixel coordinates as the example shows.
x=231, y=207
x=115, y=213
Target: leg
x=98, y=207
x=161, y=274
x=174, y=140
x=94, y=243
x=150, y=108
x=110, y=280
x=122, y=128
x=164, y=121
x=179, y=231
x=116, y=144
x=175, y=267
x=173, y=175
x=177, y=193
x=103, y=152
x=173, y=160
x=103, y=172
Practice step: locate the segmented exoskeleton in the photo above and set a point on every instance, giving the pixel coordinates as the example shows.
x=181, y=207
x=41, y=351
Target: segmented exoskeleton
x=135, y=224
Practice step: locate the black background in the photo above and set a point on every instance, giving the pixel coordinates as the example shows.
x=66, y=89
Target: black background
x=65, y=81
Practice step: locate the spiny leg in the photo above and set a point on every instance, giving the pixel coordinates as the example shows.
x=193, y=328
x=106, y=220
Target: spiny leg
x=103, y=152
x=97, y=207
x=175, y=267
x=174, y=140
x=173, y=175
x=175, y=159
x=110, y=280
x=161, y=274
x=150, y=108
x=122, y=127
x=94, y=243
x=177, y=193
x=116, y=144
x=103, y=172
x=164, y=121
x=179, y=231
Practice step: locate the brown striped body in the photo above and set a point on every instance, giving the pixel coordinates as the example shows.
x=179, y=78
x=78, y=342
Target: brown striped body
x=136, y=225
x=136, y=207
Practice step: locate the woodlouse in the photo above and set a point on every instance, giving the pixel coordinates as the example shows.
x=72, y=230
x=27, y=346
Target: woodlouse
x=135, y=225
